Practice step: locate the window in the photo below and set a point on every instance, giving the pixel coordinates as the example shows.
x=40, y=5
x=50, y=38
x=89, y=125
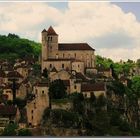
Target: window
x=32, y=111
x=48, y=38
x=43, y=93
x=75, y=87
x=51, y=38
x=63, y=55
x=78, y=66
x=75, y=55
x=62, y=65
x=50, y=65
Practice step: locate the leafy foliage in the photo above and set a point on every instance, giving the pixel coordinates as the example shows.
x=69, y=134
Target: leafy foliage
x=12, y=47
x=57, y=89
x=24, y=132
x=20, y=103
x=10, y=130
x=135, y=86
x=117, y=67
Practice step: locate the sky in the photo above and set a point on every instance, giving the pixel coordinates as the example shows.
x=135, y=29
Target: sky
x=111, y=28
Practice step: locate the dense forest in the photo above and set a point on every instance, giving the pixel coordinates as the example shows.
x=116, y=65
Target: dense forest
x=13, y=47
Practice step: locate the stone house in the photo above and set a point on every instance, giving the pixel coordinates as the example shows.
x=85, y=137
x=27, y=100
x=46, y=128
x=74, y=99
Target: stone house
x=23, y=70
x=13, y=75
x=36, y=107
x=97, y=89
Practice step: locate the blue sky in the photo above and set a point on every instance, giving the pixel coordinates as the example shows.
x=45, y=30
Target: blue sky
x=111, y=28
x=133, y=7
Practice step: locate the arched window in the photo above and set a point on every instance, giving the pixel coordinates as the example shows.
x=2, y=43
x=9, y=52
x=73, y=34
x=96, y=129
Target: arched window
x=50, y=65
x=62, y=65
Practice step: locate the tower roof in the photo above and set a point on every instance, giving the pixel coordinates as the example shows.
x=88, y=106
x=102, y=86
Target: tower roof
x=51, y=31
x=44, y=31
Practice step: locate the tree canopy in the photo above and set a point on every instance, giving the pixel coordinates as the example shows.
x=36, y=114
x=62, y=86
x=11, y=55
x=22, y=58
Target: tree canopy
x=13, y=47
x=57, y=89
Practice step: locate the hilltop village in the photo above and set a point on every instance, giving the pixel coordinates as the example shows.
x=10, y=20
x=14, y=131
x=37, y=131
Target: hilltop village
x=69, y=94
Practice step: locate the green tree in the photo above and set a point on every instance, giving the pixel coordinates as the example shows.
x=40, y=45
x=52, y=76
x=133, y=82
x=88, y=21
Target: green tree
x=36, y=69
x=20, y=103
x=57, y=89
x=24, y=132
x=78, y=102
x=10, y=130
x=138, y=63
x=135, y=85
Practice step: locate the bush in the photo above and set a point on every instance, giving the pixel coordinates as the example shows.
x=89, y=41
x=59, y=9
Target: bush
x=24, y=132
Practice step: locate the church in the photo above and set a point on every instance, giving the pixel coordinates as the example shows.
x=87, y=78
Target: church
x=65, y=56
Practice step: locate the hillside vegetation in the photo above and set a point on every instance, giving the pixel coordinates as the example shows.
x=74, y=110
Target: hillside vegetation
x=13, y=47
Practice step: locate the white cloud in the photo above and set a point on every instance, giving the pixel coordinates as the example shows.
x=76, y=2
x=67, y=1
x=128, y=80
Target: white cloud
x=81, y=22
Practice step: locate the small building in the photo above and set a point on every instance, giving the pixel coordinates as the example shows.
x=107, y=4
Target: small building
x=97, y=89
x=36, y=107
x=8, y=113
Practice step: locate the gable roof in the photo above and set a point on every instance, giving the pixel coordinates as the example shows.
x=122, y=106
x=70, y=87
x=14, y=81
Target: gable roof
x=93, y=87
x=78, y=75
x=14, y=74
x=41, y=84
x=74, y=46
x=51, y=31
x=8, y=110
x=53, y=69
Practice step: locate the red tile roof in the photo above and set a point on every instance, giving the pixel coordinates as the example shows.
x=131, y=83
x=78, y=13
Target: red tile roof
x=8, y=110
x=42, y=84
x=93, y=87
x=9, y=86
x=74, y=46
x=66, y=82
x=78, y=75
x=51, y=31
x=14, y=74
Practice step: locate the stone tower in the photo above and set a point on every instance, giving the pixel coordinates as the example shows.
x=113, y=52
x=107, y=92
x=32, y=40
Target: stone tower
x=49, y=44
